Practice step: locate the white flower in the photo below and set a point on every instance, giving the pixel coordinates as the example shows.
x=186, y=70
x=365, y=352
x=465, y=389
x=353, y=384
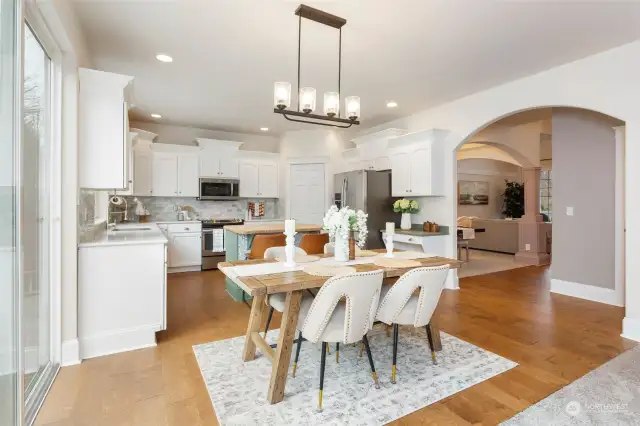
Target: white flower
x=343, y=221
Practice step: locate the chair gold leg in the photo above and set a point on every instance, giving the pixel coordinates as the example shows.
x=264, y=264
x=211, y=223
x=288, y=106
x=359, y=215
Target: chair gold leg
x=295, y=365
x=431, y=345
x=320, y=400
x=393, y=374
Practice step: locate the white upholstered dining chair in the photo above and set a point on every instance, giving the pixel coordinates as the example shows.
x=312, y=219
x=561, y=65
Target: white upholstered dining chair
x=276, y=301
x=323, y=319
x=399, y=306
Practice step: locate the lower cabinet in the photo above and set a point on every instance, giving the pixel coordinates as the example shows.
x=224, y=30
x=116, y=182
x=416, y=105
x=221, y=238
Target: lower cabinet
x=186, y=249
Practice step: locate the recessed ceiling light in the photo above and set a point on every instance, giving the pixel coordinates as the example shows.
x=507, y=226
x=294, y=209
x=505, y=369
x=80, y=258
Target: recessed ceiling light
x=264, y=129
x=392, y=104
x=164, y=58
x=156, y=116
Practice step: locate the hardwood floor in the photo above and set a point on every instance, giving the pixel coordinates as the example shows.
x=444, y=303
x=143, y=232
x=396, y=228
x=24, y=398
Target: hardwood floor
x=554, y=338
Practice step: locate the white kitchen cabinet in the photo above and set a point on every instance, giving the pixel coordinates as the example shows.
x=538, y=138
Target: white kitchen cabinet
x=213, y=166
x=188, y=175
x=417, y=164
x=258, y=179
x=382, y=163
x=103, y=130
x=164, y=174
x=268, y=180
x=186, y=249
x=131, y=141
x=142, y=177
x=174, y=174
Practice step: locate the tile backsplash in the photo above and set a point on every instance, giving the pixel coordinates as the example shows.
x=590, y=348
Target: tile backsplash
x=164, y=208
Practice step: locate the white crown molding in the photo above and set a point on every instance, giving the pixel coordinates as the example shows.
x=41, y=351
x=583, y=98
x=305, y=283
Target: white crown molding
x=205, y=143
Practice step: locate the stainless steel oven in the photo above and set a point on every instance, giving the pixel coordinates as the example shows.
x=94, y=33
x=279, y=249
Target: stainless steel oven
x=213, y=244
x=219, y=189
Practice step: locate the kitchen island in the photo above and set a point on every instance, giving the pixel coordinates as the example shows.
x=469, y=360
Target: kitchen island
x=238, y=240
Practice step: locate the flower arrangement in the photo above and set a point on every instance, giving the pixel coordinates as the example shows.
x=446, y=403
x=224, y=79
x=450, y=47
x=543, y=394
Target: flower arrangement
x=406, y=206
x=341, y=222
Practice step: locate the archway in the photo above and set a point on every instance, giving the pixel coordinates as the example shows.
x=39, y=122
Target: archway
x=532, y=247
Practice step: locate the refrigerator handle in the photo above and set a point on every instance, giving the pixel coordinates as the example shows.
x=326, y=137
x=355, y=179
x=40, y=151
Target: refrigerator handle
x=345, y=187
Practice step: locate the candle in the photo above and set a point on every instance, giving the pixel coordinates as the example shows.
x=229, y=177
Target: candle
x=289, y=226
x=391, y=228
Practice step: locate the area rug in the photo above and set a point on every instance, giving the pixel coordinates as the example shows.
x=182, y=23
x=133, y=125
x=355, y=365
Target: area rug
x=238, y=389
x=609, y=395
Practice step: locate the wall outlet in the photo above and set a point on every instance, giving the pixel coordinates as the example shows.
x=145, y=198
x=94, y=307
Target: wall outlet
x=569, y=211
x=527, y=247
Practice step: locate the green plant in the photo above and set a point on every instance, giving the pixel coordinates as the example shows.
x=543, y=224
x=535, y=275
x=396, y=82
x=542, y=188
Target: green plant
x=513, y=205
x=406, y=206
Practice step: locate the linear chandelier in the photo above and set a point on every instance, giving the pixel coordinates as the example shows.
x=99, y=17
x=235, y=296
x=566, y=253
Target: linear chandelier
x=307, y=95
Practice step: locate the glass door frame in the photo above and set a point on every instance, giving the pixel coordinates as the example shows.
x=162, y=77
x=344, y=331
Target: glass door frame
x=34, y=19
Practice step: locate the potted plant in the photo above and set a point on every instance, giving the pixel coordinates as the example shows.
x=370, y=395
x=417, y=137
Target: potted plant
x=406, y=207
x=345, y=224
x=513, y=206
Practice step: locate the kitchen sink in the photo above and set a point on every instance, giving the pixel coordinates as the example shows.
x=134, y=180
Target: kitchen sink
x=131, y=229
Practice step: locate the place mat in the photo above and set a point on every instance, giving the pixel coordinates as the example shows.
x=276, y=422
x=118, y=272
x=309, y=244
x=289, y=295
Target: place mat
x=366, y=253
x=388, y=262
x=302, y=258
x=410, y=255
x=328, y=271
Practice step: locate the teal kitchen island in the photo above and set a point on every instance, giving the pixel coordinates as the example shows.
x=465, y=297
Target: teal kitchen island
x=238, y=240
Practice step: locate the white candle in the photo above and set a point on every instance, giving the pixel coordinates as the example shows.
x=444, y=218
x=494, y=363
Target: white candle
x=289, y=226
x=391, y=228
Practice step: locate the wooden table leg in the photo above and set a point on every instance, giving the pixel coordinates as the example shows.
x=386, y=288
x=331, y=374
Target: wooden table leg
x=435, y=332
x=280, y=367
x=255, y=320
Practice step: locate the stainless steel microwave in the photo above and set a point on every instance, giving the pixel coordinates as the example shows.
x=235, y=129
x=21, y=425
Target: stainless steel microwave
x=219, y=189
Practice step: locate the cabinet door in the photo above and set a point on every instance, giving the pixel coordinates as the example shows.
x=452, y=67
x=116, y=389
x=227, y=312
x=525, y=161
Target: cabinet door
x=249, y=180
x=228, y=167
x=142, y=172
x=185, y=250
x=164, y=175
x=209, y=166
x=421, y=172
x=188, y=175
x=268, y=181
x=400, y=174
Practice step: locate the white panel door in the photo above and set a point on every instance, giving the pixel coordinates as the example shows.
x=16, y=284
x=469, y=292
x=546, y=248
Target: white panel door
x=188, y=175
x=249, y=178
x=421, y=172
x=307, y=193
x=228, y=167
x=268, y=180
x=400, y=174
x=164, y=175
x=186, y=250
x=142, y=172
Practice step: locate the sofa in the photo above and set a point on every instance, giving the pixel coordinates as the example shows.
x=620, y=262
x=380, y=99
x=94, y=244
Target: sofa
x=502, y=235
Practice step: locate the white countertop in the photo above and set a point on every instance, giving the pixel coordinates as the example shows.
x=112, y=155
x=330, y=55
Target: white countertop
x=133, y=237
x=175, y=221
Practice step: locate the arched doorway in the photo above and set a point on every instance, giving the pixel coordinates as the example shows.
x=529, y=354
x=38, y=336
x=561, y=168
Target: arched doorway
x=591, y=257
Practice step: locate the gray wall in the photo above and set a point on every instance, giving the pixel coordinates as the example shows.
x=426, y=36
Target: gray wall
x=583, y=178
x=486, y=170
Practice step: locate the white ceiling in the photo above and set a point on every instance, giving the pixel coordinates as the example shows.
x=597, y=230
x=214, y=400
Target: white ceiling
x=420, y=53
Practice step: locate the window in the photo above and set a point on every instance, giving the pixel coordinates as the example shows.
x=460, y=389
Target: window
x=545, y=193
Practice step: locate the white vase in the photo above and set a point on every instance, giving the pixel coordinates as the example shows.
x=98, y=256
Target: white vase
x=341, y=253
x=405, y=223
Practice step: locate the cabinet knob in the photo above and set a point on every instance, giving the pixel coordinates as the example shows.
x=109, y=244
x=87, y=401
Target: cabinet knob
x=186, y=229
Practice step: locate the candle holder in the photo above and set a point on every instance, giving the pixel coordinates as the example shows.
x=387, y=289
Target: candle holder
x=389, y=242
x=290, y=250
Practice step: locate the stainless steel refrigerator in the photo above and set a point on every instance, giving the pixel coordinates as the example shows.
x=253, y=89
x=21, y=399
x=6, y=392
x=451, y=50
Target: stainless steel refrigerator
x=369, y=191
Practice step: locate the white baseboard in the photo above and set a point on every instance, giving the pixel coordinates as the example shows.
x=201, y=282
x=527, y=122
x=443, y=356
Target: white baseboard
x=588, y=292
x=631, y=328
x=197, y=268
x=119, y=341
x=70, y=353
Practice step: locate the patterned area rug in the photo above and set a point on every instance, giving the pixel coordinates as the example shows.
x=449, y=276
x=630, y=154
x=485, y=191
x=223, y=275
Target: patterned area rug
x=238, y=389
x=609, y=395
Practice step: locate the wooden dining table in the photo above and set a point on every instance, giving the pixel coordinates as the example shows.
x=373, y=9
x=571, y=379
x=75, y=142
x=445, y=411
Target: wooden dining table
x=293, y=283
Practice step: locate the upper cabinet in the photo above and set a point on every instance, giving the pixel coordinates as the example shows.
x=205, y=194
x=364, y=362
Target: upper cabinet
x=259, y=176
x=103, y=130
x=218, y=158
x=175, y=171
x=371, y=152
x=139, y=154
x=417, y=166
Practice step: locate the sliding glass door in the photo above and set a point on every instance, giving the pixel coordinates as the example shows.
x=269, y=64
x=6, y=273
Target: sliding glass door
x=36, y=222
x=10, y=378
